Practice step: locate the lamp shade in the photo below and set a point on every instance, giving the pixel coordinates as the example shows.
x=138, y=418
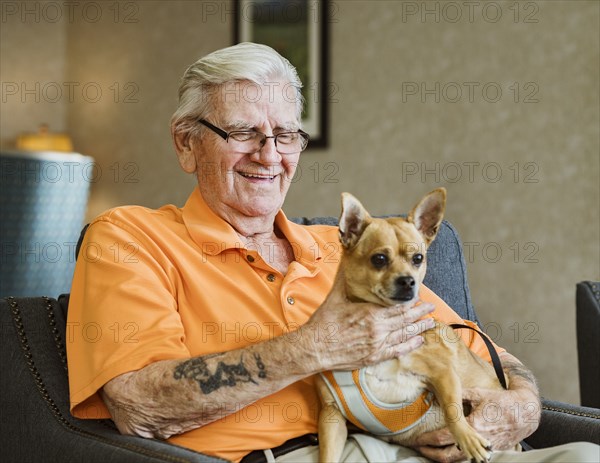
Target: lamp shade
x=43, y=199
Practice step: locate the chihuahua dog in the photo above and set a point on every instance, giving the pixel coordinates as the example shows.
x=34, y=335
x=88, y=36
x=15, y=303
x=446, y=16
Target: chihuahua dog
x=384, y=262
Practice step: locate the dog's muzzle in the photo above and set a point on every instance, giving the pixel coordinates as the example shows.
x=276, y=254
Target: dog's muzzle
x=405, y=289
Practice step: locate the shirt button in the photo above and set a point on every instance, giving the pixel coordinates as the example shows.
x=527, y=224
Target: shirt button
x=250, y=258
x=291, y=300
x=271, y=277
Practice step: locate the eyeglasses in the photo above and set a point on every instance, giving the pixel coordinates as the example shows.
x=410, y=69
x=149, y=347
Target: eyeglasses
x=251, y=141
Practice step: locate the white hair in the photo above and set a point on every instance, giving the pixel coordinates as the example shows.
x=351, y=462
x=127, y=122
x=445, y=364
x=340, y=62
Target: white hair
x=246, y=61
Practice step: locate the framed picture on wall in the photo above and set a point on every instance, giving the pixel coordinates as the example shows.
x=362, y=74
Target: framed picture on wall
x=298, y=30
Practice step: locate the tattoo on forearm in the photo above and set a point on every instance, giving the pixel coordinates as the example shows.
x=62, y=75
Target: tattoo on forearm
x=224, y=375
x=262, y=372
x=514, y=369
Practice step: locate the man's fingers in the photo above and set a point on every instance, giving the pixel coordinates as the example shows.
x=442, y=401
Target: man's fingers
x=408, y=346
x=408, y=314
x=405, y=332
x=440, y=438
x=438, y=446
x=447, y=454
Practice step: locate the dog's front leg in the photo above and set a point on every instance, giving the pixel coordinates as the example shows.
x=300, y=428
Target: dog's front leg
x=448, y=391
x=332, y=426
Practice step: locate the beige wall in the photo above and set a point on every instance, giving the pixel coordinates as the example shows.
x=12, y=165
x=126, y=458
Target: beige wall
x=522, y=172
x=32, y=71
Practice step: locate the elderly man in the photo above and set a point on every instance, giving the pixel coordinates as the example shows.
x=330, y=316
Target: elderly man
x=215, y=316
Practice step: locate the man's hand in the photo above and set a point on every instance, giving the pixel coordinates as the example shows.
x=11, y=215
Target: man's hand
x=347, y=336
x=439, y=446
x=503, y=417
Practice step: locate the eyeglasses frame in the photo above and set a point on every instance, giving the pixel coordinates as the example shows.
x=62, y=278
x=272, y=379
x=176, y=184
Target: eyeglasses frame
x=225, y=135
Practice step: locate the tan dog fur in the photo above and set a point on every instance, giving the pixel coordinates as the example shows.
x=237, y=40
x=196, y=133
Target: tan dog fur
x=442, y=365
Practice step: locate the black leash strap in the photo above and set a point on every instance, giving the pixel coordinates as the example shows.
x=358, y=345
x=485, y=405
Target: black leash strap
x=493, y=354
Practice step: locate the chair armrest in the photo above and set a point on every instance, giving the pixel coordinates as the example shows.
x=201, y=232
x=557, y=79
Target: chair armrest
x=562, y=423
x=36, y=424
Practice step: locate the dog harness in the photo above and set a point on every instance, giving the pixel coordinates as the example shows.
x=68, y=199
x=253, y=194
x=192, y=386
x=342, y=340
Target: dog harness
x=360, y=407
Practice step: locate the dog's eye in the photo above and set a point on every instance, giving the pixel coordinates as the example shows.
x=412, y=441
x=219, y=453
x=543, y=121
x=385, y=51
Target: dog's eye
x=417, y=259
x=379, y=260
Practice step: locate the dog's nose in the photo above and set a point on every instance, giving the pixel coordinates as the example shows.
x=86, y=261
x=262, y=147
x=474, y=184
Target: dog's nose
x=405, y=283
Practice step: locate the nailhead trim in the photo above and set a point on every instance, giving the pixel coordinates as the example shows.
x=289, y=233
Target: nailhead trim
x=18, y=320
x=570, y=412
x=60, y=345
x=595, y=287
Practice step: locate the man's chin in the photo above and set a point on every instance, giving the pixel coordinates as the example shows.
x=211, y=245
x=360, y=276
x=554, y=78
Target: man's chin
x=260, y=208
x=258, y=203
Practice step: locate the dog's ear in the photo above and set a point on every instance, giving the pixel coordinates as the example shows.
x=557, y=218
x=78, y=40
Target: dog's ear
x=353, y=221
x=428, y=214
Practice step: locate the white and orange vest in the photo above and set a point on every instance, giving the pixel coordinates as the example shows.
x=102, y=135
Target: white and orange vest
x=360, y=407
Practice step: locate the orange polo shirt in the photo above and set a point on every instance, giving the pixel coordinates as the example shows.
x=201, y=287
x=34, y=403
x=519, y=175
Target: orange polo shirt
x=173, y=283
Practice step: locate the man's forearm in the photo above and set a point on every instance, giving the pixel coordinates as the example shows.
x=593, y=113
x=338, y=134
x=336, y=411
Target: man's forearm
x=173, y=396
x=518, y=373
x=523, y=384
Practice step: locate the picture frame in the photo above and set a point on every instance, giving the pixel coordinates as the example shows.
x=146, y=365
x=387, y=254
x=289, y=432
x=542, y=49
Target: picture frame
x=298, y=30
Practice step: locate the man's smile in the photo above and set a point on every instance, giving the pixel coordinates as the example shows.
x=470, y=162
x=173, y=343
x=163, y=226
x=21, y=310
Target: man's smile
x=258, y=177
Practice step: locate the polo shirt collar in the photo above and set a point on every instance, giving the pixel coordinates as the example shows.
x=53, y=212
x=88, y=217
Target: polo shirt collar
x=306, y=250
x=214, y=235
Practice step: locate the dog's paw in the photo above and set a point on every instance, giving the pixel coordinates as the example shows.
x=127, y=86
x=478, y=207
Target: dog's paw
x=476, y=448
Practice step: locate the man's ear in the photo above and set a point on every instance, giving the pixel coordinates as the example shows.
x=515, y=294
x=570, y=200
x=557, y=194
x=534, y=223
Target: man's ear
x=353, y=221
x=428, y=214
x=183, y=147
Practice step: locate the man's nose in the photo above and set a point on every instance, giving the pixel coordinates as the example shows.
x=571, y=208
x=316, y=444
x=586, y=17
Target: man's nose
x=268, y=153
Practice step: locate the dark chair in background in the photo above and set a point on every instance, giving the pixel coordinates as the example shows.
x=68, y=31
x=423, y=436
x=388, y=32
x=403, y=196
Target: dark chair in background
x=588, y=342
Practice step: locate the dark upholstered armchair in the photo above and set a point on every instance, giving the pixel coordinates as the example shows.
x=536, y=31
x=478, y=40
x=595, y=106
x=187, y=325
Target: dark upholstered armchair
x=588, y=342
x=37, y=426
